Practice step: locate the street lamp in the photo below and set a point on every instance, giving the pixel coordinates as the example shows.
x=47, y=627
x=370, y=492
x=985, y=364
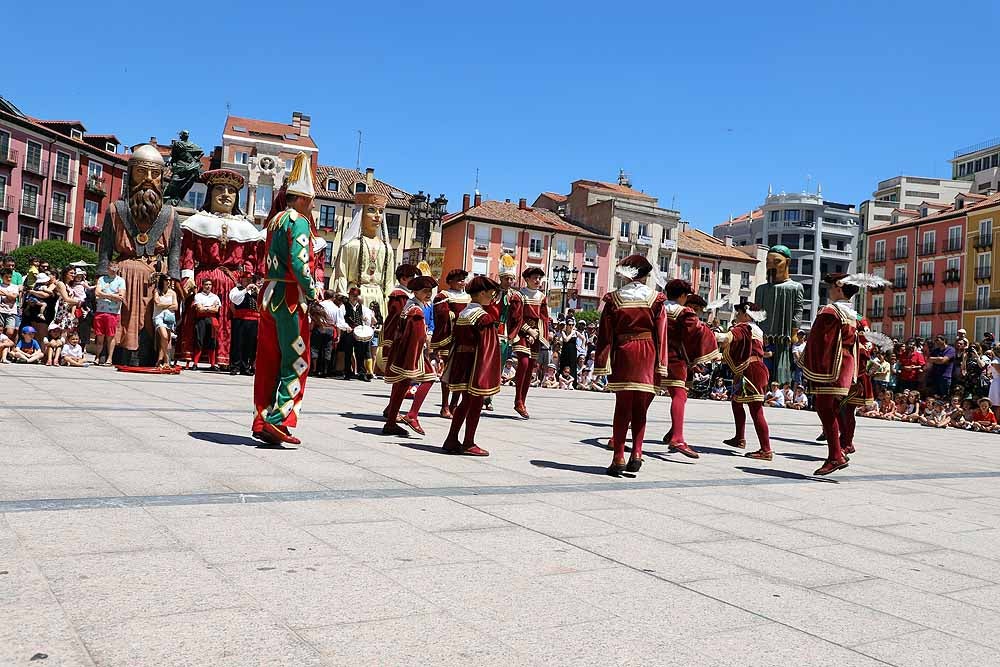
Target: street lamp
x=565, y=277
x=425, y=214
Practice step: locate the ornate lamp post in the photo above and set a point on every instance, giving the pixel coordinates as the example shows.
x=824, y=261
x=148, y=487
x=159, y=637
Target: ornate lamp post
x=425, y=215
x=564, y=277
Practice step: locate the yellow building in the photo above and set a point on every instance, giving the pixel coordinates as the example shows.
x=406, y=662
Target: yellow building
x=981, y=294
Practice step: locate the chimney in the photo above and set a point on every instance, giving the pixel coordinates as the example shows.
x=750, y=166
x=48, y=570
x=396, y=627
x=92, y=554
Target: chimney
x=478, y=199
x=465, y=203
x=729, y=241
x=369, y=177
x=305, y=123
x=152, y=141
x=297, y=119
x=522, y=204
x=507, y=200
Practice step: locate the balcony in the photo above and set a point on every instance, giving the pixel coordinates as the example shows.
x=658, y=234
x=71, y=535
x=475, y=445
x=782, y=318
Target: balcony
x=925, y=279
x=7, y=203
x=589, y=261
x=644, y=240
x=949, y=307
x=876, y=313
x=36, y=167
x=64, y=177
x=8, y=156
x=952, y=276
x=745, y=285
x=59, y=215
x=897, y=311
x=925, y=309
x=991, y=303
x=926, y=249
x=92, y=226
x=951, y=245
x=984, y=272
x=32, y=209
x=95, y=185
x=878, y=257
x=899, y=283
x=901, y=253
x=982, y=241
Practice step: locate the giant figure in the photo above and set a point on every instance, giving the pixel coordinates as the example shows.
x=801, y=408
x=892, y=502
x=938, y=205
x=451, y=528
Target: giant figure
x=365, y=258
x=142, y=232
x=781, y=298
x=217, y=243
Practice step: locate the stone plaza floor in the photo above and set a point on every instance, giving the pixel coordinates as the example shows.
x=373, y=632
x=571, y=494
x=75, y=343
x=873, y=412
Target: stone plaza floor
x=141, y=526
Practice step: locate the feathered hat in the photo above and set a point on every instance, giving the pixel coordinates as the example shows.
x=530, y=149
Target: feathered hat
x=300, y=180
x=508, y=266
x=696, y=301
x=880, y=340
x=634, y=267
x=425, y=268
x=756, y=313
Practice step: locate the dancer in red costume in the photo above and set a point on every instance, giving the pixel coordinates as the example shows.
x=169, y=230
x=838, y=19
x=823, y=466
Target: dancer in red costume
x=830, y=360
x=447, y=305
x=473, y=369
x=409, y=360
x=506, y=309
x=632, y=351
x=743, y=351
x=690, y=343
x=532, y=335
x=397, y=299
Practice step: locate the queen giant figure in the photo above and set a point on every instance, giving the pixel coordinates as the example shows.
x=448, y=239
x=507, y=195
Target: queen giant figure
x=366, y=259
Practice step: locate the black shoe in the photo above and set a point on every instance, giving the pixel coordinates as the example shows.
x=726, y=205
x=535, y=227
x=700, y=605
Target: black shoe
x=633, y=465
x=366, y=378
x=615, y=469
x=233, y=371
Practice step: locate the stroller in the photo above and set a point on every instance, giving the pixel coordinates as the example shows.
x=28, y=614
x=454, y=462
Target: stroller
x=701, y=385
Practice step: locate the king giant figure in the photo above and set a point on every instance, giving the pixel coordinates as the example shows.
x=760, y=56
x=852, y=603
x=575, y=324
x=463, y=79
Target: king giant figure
x=781, y=297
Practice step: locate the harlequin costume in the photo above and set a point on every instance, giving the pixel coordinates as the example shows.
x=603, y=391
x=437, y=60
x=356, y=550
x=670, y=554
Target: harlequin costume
x=830, y=361
x=534, y=318
x=689, y=343
x=283, y=327
x=216, y=247
x=397, y=299
x=447, y=306
x=742, y=349
x=632, y=351
x=473, y=369
x=409, y=362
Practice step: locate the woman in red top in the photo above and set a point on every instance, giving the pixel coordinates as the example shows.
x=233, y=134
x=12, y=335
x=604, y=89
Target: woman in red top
x=409, y=360
x=632, y=351
x=743, y=351
x=473, y=369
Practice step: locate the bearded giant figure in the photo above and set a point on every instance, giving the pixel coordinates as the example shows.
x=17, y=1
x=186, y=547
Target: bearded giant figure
x=141, y=233
x=217, y=243
x=781, y=297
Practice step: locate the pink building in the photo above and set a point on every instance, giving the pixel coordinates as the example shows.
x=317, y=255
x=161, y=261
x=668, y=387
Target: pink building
x=476, y=237
x=55, y=179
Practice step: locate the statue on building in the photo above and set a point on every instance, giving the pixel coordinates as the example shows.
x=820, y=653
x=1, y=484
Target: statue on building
x=365, y=258
x=185, y=167
x=217, y=243
x=782, y=298
x=141, y=233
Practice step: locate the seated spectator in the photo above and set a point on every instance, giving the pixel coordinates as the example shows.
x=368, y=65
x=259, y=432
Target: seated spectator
x=983, y=419
x=935, y=415
x=786, y=389
x=550, y=381
x=6, y=345
x=719, y=391
x=72, y=353
x=600, y=383
x=956, y=415
x=566, y=378
x=909, y=409
x=888, y=409
x=873, y=410
x=52, y=344
x=584, y=379
x=800, y=401
x=508, y=372
x=28, y=351
x=775, y=398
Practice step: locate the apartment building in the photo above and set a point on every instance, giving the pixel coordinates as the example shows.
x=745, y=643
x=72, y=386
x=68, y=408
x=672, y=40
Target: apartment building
x=979, y=166
x=982, y=284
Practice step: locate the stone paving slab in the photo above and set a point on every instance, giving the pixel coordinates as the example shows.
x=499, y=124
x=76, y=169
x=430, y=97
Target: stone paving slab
x=146, y=528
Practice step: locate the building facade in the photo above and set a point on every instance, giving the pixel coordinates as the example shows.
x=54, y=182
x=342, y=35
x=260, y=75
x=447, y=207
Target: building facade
x=821, y=235
x=979, y=166
x=56, y=180
x=475, y=238
x=717, y=269
x=982, y=283
x=907, y=192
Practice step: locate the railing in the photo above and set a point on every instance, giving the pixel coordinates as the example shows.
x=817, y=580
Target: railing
x=94, y=226
x=899, y=283
x=744, y=284
x=31, y=209
x=925, y=279
x=589, y=261
x=644, y=240
x=926, y=249
x=897, y=311
x=63, y=176
x=95, y=184
x=876, y=313
x=951, y=245
x=39, y=168
x=8, y=156
x=983, y=241
x=878, y=257
x=7, y=203
x=925, y=309
x=59, y=215
x=949, y=307
x=991, y=303
x=952, y=276
x=975, y=148
x=901, y=253
x=984, y=272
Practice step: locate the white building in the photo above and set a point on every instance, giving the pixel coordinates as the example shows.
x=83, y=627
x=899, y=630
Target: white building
x=907, y=192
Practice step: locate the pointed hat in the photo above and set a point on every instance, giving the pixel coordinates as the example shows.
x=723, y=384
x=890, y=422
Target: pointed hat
x=300, y=180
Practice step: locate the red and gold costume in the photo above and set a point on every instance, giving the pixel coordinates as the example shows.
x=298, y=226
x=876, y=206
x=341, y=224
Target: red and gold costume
x=409, y=360
x=743, y=351
x=534, y=316
x=474, y=363
x=508, y=310
x=861, y=394
x=395, y=303
x=447, y=306
x=632, y=352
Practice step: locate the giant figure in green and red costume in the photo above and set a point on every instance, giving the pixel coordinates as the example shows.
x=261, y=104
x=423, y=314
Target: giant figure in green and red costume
x=283, y=332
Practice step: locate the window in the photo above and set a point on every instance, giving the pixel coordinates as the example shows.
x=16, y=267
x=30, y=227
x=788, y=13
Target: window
x=686, y=271
x=951, y=330
x=810, y=215
x=332, y=184
x=480, y=266
x=562, y=249
x=110, y=147
x=328, y=254
x=840, y=246
x=772, y=239
x=195, y=198
x=924, y=328
x=33, y=157
x=244, y=197
x=29, y=199
x=877, y=303
x=289, y=163
x=535, y=245
x=954, y=263
x=644, y=229
x=951, y=296
x=360, y=186
x=58, y=207
x=983, y=262
x=706, y=275
x=241, y=157
x=897, y=330
x=589, y=281
x=791, y=240
x=792, y=215
x=328, y=217
x=57, y=236
x=392, y=224
x=3, y=191
x=879, y=271
x=793, y=266
x=899, y=300
x=4, y=145
x=590, y=253
x=95, y=169
x=985, y=227
x=807, y=267
x=927, y=267
x=625, y=230
x=726, y=277
x=664, y=263
x=62, y=167
x=89, y=245
x=664, y=236
x=509, y=241
x=26, y=235
x=954, y=238
x=91, y=209
x=982, y=300
x=984, y=324
x=902, y=245
x=809, y=242
x=744, y=279
x=930, y=240
x=262, y=206
x=900, y=273
x=880, y=249
x=775, y=216
x=876, y=326
x=483, y=238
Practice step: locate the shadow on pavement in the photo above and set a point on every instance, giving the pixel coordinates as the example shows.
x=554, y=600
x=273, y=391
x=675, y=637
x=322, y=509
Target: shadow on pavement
x=364, y=416
x=230, y=439
x=770, y=472
x=800, y=457
x=369, y=430
x=662, y=456
x=594, y=424
x=796, y=441
x=589, y=470
x=421, y=447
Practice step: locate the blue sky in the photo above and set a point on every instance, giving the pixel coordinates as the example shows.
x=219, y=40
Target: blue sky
x=704, y=104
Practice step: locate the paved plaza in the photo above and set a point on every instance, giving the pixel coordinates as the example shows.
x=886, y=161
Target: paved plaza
x=140, y=526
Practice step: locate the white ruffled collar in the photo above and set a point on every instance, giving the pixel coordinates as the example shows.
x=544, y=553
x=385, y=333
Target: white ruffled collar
x=635, y=291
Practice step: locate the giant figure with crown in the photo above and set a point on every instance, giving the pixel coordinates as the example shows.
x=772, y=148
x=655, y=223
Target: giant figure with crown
x=366, y=259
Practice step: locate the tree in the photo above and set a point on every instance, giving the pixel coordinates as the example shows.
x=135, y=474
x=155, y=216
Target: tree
x=57, y=253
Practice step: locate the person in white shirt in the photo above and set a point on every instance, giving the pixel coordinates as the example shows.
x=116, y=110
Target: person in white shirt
x=72, y=353
x=243, y=319
x=356, y=314
x=9, y=294
x=324, y=339
x=799, y=399
x=775, y=398
x=207, y=306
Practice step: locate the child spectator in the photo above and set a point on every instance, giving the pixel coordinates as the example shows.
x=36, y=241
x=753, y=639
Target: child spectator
x=72, y=353
x=799, y=399
x=909, y=409
x=550, y=381
x=786, y=389
x=28, y=350
x=935, y=415
x=983, y=419
x=53, y=343
x=508, y=372
x=566, y=378
x=956, y=415
x=6, y=345
x=584, y=379
x=719, y=391
x=775, y=398
x=600, y=383
x=887, y=410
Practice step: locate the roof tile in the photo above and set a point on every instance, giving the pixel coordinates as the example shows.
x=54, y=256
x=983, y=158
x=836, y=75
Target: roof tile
x=698, y=242
x=252, y=128
x=511, y=214
x=346, y=178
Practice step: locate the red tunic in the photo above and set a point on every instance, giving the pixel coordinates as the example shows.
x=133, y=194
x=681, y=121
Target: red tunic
x=632, y=339
x=515, y=312
x=743, y=351
x=828, y=361
x=534, y=315
x=408, y=358
x=395, y=302
x=447, y=305
x=862, y=393
x=690, y=343
x=474, y=362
